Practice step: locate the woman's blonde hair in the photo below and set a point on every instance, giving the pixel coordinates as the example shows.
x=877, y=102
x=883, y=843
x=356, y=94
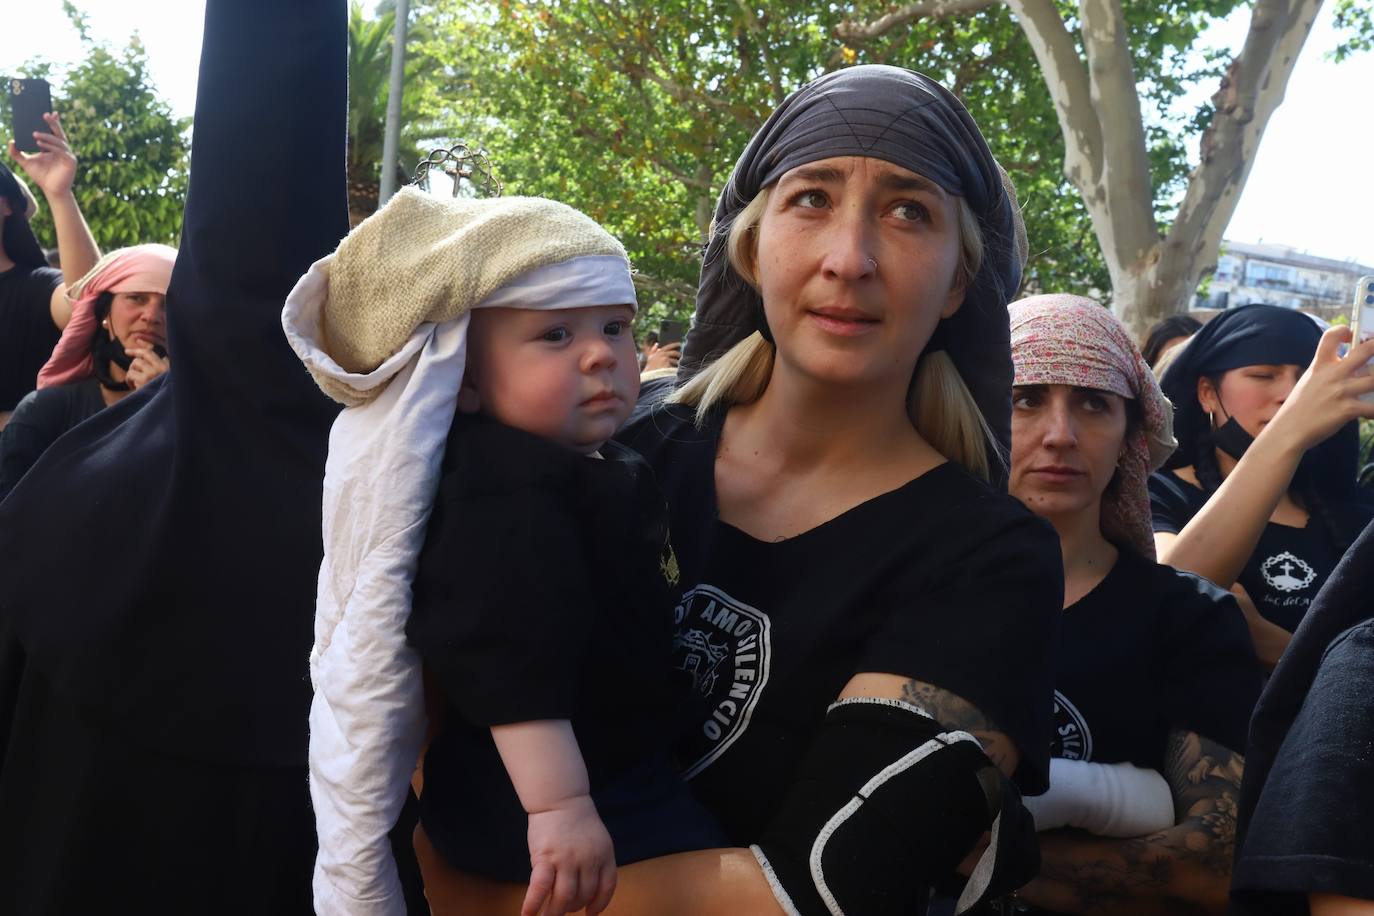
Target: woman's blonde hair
x=939, y=403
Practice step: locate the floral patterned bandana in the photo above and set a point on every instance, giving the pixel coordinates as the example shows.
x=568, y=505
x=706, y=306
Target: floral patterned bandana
x=1070, y=340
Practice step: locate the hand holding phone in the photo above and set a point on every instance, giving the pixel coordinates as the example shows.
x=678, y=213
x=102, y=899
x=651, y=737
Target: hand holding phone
x=1362, y=321
x=30, y=99
x=671, y=331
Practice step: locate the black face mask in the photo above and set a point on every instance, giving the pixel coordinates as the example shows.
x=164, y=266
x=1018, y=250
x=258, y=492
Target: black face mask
x=1232, y=438
x=105, y=350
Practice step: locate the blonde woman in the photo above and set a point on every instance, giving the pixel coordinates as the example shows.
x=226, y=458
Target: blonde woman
x=867, y=622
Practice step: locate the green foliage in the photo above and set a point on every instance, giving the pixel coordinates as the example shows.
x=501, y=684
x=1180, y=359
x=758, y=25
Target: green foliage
x=636, y=112
x=632, y=112
x=370, y=41
x=132, y=153
x=1355, y=18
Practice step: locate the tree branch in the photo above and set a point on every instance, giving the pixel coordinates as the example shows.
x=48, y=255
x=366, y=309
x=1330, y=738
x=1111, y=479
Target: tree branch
x=619, y=148
x=677, y=289
x=856, y=33
x=755, y=30
x=1067, y=81
x=1251, y=90
x=1130, y=231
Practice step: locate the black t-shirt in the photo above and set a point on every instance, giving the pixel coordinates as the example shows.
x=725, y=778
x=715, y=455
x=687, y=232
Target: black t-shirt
x=1147, y=651
x=27, y=334
x=1312, y=829
x=39, y=419
x=941, y=580
x=1288, y=566
x=544, y=590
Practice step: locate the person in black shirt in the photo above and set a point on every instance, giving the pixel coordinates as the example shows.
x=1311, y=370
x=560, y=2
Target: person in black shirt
x=1156, y=673
x=33, y=302
x=1305, y=838
x=856, y=590
x=114, y=344
x=1284, y=442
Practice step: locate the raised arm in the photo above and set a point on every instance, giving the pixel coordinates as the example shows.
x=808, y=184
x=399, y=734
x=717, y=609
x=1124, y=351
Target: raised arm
x=53, y=170
x=1219, y=539
x=267, y=199
x=1185, y=868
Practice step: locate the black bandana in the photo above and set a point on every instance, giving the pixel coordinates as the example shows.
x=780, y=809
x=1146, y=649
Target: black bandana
x=904, y=118
x=1253, y=335
x=20, y=243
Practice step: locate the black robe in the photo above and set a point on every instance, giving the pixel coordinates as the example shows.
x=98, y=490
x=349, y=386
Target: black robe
x=157, y=602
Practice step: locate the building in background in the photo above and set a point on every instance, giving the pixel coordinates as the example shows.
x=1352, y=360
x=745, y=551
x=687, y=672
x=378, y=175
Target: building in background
x=1279, y=275
x=1283, y=276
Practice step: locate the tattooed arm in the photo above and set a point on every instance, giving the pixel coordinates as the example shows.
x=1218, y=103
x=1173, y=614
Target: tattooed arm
x=1185, y=869
x=946, y=708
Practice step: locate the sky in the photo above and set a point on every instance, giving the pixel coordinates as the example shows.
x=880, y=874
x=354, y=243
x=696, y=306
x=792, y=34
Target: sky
x=1311, y=187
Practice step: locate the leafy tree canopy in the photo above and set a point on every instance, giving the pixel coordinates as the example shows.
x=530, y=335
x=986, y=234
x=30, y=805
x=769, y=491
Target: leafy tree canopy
x=636, y=112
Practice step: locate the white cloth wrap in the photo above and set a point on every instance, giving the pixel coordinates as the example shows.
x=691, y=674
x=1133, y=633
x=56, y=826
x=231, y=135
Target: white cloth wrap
x=367, y=719
x=1106, y=799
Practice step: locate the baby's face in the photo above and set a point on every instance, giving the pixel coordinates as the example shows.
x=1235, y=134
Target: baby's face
x=570, y=375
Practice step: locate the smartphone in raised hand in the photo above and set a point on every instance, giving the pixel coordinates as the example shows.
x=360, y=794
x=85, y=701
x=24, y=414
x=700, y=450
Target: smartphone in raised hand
x=671, y=331
x=30, y=99
x=1362, y=321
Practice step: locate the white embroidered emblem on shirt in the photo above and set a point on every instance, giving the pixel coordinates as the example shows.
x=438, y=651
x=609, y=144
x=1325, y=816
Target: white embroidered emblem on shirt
x=725, y=646
x=1287, y=565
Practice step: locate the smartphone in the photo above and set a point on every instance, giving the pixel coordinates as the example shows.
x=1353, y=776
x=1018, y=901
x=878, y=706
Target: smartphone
x=671, y=331
x=1362, y=321
x=29, y=101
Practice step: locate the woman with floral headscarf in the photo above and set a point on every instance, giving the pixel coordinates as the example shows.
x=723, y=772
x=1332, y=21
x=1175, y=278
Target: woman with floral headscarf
x=868, y=623
x=1156, y=674
x=114, y=344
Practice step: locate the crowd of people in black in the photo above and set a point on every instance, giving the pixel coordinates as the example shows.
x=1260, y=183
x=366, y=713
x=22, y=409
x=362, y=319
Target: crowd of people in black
x=378, y=571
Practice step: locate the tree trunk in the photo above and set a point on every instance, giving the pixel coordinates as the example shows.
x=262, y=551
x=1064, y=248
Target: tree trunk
x=1106, y=159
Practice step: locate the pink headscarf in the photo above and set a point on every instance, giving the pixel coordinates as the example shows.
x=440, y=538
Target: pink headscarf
x=1070, y=340
x=140, y=269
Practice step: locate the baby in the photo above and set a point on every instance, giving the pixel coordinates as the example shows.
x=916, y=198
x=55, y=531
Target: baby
x=543, y=586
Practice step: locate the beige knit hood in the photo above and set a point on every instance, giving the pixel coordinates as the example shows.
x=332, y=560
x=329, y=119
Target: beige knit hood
x=425, y=259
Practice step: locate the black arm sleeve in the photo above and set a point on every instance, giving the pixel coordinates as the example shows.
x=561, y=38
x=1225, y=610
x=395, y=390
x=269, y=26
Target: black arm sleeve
x=22, y=441
x=886, y=802
x=1211, y=678
x=1313, y=823
x=1171, y=506
x=27, y=334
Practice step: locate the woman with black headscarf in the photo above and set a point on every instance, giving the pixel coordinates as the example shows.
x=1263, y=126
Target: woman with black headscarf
x=1261, y=494
x=161, y=558
x=869, y=621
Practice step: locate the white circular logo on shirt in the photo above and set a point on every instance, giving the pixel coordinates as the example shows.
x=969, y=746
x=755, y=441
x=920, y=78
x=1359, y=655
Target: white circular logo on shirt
x=724, y=645
x=1072, y=739
x=1287, y=573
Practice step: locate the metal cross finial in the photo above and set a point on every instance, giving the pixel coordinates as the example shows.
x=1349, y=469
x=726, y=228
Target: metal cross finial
x=459, y=171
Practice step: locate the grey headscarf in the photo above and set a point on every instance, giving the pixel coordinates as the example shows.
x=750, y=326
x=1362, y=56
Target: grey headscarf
x=907, y=119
